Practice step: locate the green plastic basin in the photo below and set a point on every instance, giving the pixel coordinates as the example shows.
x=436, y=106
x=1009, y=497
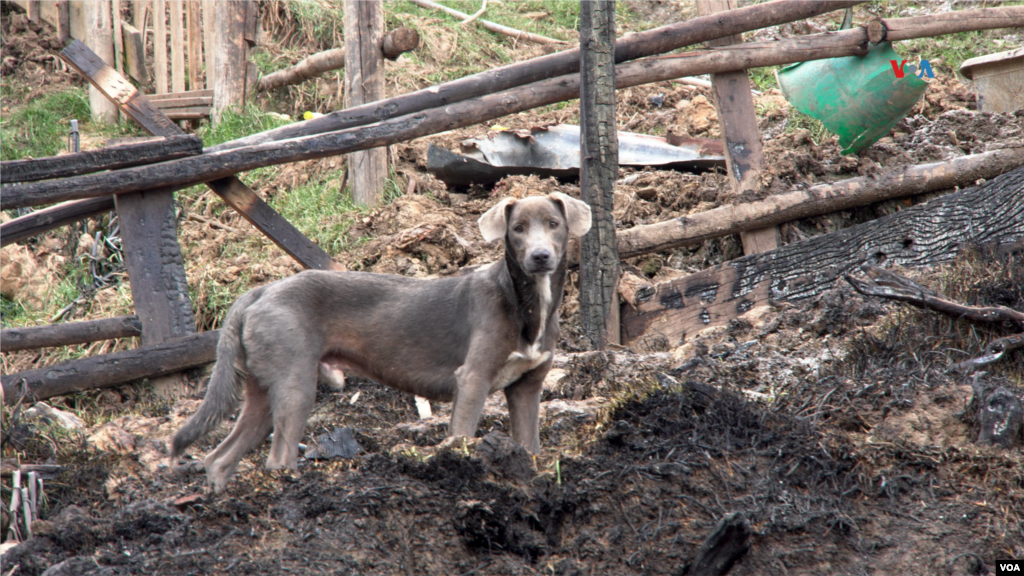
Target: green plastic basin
x=859, y=98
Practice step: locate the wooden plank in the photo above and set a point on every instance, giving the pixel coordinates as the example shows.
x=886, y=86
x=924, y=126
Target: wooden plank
x=599, y=259
x=188, y=113
x=63, y=23
x=164, y=103
x=99, y=31
x=35, y=223
x=33, y=10
x=69, y=333
x=231, y=189
x=153, y=258
x=154, y=98
x=232, y=55
x=178, y=48
x=926, y=234
x=364, y=83
x=110, y=158
x=160, y=45
x=118, y=89
x=134, y=53
x=734, y=103
x=195, y=47
x=111, y=369
x=115, y=6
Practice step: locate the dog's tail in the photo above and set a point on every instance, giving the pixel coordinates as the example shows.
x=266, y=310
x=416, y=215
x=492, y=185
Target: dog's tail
x=224, y=391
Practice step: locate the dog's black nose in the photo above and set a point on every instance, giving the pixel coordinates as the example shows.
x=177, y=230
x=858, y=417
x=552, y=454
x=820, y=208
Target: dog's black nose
x=540, y=257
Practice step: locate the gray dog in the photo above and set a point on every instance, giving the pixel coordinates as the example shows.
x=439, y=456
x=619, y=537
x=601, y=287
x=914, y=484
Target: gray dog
x=450, y=339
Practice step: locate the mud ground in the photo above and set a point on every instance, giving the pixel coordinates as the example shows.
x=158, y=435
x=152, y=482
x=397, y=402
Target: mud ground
x=835, y=426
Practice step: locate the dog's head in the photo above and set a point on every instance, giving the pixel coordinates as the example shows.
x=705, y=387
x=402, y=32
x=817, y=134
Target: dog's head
x=536, y=229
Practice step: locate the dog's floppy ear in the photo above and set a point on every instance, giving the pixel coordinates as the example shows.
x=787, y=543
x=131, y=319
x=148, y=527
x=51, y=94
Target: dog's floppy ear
x=494, y=222
x=577, y=214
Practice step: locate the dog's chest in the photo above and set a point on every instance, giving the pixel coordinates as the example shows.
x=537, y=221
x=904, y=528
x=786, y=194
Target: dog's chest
x=518, y=364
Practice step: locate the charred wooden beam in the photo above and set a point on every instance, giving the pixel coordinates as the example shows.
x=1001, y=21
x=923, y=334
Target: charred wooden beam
x=109, y=370
x=29, y=225
x=110, y=158
x=647, y=43
x=231, y=189
x=656, y=41
x=219, y=164
x=821, y=199
x=926, y=234
x=30, y=338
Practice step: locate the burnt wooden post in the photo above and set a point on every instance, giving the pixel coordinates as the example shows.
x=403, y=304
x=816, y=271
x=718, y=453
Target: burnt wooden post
x=364, y=83
x=599, y=165
x=734, y=104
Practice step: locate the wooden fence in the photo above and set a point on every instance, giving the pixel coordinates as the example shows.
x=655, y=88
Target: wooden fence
x=169, y=48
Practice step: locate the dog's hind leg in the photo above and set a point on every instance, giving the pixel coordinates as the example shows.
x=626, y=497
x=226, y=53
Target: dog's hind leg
x=252, y=428
x=292, y=399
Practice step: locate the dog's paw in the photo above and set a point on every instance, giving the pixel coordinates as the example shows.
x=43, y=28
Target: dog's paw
x=460, y=444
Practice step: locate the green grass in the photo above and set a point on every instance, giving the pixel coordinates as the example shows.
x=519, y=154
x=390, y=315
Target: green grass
x=41, y=128
x=235, y=123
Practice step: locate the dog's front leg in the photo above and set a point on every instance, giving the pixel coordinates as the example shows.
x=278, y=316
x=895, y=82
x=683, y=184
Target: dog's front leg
x=472, y=388
x=523, y=398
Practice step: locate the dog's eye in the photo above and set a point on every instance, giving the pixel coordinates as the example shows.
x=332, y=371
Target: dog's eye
x=519, y=229
x=553, y=224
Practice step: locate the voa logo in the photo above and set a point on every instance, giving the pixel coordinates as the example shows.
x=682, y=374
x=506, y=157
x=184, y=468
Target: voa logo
x=1009, y=567
x=901, y=69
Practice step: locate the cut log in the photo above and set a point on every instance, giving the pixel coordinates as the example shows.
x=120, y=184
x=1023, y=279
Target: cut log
x=110, y=158
x=30, y=338
x=741, y=139
x=896, y=29
x=399, y=41
x=655, y=41
x=231, y=189
x=816, y=201
x=110, y=369
x=29, y=225
x=364, y=83
x=926, y=234
x=729, y=542
x=599, y=166
x=186, y=172
x=307, y=68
